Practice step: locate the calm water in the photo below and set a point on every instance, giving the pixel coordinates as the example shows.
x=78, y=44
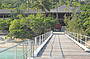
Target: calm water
x=14, y=53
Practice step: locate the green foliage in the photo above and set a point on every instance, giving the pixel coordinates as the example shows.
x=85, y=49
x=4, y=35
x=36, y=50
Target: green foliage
x=5, y=4
x=80, y=22
x=45, y=5
x=27, y=27
x=4, y=24
x=40, y=24
x=75, y=4
x=19, y=29
x=85, y=17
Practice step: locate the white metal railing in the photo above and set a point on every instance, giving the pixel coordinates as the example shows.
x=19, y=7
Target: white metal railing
x=18, y=51
x=41, y=38
x=82, y=39
x=24, y=49
x=40, y=42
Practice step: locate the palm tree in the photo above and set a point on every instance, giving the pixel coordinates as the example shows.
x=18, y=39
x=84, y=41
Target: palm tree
x=44, y=5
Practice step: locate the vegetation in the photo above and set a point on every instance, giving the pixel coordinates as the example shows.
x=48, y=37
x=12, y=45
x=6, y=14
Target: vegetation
x=41, y=24
x=79, y=22
x=27, y=27
x=19, y=29
x=4, y=24
x=36, y=4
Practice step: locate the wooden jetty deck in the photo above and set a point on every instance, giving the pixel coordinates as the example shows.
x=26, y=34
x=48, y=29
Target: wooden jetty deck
x=61, y=47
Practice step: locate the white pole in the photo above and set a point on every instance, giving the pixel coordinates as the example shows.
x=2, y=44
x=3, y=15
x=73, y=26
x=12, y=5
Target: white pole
x=35, y=40
x=85, y=40
x=42, y=37
x=77, y=37
x=40, y=40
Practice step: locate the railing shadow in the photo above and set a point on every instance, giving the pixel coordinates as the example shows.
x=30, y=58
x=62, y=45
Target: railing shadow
x=41, y=52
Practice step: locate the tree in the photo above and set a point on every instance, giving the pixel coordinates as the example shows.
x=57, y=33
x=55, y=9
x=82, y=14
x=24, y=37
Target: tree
x=40, y=24
x=19, y=29
x=28, y=27
x=80, y=22
x=45, y=5
x=7, y=4
x=4, y=24
x=85, y=18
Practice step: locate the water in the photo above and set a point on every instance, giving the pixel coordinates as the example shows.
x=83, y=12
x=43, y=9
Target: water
x=14, y=53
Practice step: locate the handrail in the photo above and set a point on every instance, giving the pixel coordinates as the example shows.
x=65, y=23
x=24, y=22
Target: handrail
x=11, y=47
x=44, y=38
x=41, y=38
x=30, y=44
x=82, y=39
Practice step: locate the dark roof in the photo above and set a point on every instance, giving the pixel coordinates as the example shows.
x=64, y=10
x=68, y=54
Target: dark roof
x=24, y=10
x=62, y=9
x=5, y=10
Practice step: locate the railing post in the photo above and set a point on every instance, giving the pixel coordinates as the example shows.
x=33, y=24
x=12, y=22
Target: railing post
x=80, y=38
x=51, y=32
x=32, y=49
x=29, y=47
x=42, y=38
x=35, y=40
x=73, y=35
x=27, y=50
x=86, y=41
x=45, y=35
x=77, y=37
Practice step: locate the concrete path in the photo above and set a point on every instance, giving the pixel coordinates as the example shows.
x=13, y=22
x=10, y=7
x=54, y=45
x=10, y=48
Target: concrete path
x=61, y=47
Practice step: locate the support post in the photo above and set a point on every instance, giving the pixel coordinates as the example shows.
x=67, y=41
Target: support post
x=86, y=40
x=35, y=40
x=42, y=38
x=80, y=38
x=77, y=37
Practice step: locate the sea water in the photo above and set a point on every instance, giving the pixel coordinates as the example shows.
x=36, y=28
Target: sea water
x=13, y=53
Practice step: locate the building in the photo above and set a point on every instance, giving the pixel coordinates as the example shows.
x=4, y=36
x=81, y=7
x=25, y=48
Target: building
x=58, y=13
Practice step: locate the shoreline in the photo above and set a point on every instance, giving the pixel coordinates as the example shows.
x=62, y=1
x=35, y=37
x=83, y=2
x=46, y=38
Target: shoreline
x=7, y=45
